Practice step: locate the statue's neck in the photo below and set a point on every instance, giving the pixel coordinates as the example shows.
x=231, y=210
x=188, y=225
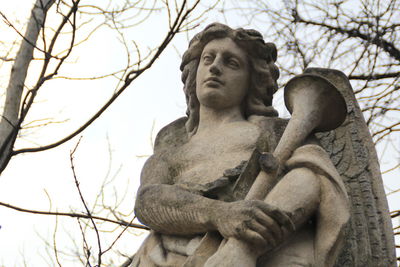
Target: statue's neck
x=213, y=118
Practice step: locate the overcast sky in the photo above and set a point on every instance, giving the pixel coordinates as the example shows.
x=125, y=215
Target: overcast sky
x=127, y=129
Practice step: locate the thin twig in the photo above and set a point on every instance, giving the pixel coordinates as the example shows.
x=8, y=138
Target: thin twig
x=74, y=215
x=71, y=157
x=55, y=243
x=86, y=249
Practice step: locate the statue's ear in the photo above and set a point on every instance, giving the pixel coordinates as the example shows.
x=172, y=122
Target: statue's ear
x=369, y=237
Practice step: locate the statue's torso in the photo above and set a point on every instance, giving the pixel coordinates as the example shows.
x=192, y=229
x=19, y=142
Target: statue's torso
x=205, y=156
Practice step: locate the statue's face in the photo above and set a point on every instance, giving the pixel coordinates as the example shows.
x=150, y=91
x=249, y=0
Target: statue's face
x=222, y=75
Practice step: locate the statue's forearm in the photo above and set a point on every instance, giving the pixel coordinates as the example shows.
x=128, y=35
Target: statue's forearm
x=298, y=193
x=173, y=210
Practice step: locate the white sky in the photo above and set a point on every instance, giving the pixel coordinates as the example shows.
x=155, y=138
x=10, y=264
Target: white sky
x=127, y=126
x=30, y=179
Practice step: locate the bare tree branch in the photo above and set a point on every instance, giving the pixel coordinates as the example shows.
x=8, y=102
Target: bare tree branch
x=375, y=76
x=131, y=76
x=71, y=157
x=74, y=215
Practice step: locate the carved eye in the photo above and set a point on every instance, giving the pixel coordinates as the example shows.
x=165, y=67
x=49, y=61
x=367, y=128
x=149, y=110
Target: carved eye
x=208, y=59
x=233, y=63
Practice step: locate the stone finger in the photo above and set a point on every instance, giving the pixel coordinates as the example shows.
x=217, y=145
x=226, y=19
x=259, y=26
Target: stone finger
x=285, y=220
x=280, y=216
x=253, y=237
x=270, y=224
x=264, y=232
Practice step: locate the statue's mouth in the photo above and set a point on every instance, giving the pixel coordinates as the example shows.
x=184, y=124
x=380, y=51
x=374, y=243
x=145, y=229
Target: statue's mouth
x=214, y=80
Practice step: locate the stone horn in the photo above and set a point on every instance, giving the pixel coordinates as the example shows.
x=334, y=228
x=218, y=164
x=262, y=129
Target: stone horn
x=316, y=105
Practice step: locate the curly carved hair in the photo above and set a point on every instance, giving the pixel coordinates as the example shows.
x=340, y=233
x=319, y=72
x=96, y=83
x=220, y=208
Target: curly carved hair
x=263, y=76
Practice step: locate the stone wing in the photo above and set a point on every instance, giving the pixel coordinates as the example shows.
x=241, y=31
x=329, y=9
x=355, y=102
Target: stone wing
x=369, y=237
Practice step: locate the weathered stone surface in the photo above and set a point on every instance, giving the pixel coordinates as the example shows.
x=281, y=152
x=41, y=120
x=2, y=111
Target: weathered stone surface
x=232, y=185
x=369, y=237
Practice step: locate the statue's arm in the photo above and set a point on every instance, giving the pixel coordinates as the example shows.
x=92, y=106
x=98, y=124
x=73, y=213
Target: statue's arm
x=169, y=208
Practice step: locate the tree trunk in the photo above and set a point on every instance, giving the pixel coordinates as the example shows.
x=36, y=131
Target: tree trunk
x=9, y=124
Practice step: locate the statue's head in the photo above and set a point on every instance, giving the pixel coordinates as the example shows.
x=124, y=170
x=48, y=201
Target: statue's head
x=263, y=74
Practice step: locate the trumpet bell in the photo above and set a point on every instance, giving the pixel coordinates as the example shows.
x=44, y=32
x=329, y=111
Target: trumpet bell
x=312, y=97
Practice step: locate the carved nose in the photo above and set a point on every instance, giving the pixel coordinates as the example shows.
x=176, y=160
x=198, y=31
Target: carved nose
x=215, y=69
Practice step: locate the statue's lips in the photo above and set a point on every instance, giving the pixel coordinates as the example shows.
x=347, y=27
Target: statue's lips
x=214, y=80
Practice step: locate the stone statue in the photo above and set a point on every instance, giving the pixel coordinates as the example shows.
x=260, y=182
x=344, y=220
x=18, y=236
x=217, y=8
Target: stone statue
x=232, y=184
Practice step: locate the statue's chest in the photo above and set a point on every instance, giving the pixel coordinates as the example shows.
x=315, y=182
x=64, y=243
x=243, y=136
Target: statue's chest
x=205, y=158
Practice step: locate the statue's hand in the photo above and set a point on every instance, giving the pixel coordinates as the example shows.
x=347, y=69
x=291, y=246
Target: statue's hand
x=252, y=221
